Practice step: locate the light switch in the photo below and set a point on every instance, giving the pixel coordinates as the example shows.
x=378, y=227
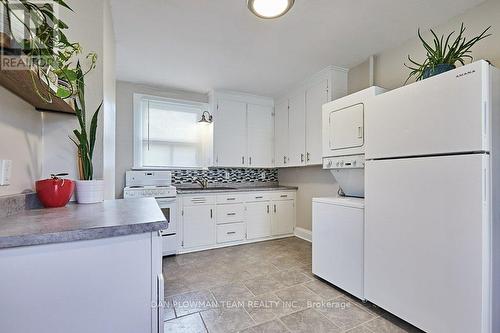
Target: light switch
x=5, y=172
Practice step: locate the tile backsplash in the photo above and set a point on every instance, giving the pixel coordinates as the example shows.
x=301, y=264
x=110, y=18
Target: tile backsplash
x=225, y=175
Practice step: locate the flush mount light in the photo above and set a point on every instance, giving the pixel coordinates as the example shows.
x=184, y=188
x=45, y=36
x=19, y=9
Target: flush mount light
x=206, y=117
x=269, y=9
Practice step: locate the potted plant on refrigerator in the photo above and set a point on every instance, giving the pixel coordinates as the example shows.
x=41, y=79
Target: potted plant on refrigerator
x=88, y=189
x=443, y=55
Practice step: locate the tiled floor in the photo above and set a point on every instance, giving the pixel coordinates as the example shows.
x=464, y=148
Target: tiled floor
x=262, y=287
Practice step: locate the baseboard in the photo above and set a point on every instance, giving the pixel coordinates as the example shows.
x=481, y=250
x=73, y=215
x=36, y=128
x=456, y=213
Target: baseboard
x=303, y=234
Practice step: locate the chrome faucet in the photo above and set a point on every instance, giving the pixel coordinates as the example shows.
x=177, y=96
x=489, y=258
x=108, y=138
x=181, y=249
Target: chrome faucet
x=202, y=181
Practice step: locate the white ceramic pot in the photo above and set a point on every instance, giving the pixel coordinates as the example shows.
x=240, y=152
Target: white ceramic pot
x=89, y=191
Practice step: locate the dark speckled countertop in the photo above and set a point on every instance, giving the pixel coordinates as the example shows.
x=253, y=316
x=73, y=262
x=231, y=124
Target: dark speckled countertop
x=81, y=222
x=181, y=189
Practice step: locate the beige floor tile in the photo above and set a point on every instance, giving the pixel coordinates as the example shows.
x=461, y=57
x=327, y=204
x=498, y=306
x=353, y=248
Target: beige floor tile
x=168, y=310
x=274, y=326
x=299, y=297
x=225, y=320
x=194, y=301
x=267, y=307
x=344, y=313
x=308, y=321
x=187, y=324
x=263, y=284
x=230, y=293
x=323, y=289
x=359, y=329
x=291, y=277
x=395, y=325
x=175, y=287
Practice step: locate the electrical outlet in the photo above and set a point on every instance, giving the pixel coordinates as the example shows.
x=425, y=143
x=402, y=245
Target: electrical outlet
x=5, y=172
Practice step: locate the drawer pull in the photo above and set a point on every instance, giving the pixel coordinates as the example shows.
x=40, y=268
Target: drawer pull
x=259, y=197
x=231, y=232
x=231, y=214
x=284, y=196
x=231, y=199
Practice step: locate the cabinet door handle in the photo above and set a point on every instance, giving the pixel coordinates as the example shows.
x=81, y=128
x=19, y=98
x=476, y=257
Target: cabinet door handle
x=231, y=199
x=231, y=214
x=308, y=157
x=360, y=132
x=250, y=160
x=211, y=213
x=284, y=196
x=243, y=160
x=268, y=209
x=284, y=159
x=274, y=208
x=231, y=232
x=302, y=158
x=259, y=197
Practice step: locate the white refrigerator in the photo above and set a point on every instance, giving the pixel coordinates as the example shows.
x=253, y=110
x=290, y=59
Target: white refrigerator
x=432, y=201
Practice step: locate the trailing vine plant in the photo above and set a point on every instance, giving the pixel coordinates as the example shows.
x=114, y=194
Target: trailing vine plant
x=51, y=54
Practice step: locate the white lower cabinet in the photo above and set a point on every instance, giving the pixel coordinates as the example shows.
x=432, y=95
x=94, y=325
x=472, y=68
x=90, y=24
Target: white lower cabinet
x=223, y=219
x=230, y=232
x=198, y=226
x=258, y=219
x=283, y=217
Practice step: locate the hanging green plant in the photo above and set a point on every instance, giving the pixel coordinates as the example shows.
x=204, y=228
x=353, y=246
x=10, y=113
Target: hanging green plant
x=444, y=53
x=52, y=56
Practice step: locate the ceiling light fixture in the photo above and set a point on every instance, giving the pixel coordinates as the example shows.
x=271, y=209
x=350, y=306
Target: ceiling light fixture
x=269, y=9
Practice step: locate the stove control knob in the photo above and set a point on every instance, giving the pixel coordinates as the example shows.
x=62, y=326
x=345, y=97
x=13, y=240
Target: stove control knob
x=329, y=163
x=354, y=163
x=341, y=163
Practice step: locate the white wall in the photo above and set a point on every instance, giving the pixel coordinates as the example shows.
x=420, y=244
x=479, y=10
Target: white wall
x=109, y=106
x=124, y=121
x=313, y=182
x=20, y=141
x=389, y=69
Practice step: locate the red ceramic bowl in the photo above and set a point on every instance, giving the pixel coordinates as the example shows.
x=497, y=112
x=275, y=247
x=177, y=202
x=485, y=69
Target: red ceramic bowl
x=54, y=192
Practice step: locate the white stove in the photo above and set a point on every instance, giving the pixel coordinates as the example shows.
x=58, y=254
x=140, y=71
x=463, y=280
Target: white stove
x=158, y=185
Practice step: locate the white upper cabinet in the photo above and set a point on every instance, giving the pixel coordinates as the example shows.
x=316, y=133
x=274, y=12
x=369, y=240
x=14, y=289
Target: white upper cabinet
x=260, y=137
x=316, y=96
x=296, y=129
x=281, y=133
x=230, y=133
x=243, y=130
x=303, y=145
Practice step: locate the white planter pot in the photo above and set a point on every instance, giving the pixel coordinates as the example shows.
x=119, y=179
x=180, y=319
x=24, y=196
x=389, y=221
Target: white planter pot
x=89, y=191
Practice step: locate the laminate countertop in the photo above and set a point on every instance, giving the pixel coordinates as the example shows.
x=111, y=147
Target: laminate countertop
x=75, y=222
x=211, y=190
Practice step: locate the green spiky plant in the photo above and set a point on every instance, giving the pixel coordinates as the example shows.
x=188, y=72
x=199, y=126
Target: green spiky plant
x=84, y=138
x=444, y=52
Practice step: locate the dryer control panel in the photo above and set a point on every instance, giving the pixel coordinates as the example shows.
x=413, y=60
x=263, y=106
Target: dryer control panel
x=344, y=162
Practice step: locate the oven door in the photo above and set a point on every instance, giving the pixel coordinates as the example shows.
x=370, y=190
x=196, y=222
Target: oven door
x=169, y=208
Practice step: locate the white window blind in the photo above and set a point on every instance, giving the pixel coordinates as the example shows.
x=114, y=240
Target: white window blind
x=170, y=134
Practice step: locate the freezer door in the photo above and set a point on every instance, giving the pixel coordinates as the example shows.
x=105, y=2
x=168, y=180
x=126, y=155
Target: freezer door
x=444, y=114
x=427, y=249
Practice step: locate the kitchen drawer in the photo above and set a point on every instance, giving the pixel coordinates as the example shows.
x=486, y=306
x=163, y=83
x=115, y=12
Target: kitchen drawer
x=230, y=232
x=283, y=195
x=258, y=196
x=198, y=200
x=230, y=213
x=230, y=198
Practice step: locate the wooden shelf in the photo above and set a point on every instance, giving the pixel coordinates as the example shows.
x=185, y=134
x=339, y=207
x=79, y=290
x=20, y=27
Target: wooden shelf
x=19, y=81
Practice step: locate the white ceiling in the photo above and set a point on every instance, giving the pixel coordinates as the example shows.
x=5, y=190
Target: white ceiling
x=200, y=45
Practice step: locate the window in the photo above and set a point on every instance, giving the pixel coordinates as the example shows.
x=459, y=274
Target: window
x=167, y=133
